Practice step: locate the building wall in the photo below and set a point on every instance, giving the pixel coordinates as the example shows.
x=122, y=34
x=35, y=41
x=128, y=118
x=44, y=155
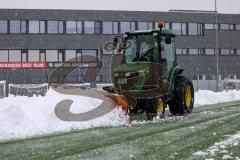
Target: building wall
x=194, y=65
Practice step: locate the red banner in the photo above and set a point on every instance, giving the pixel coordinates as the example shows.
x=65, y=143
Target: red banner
x=23, y=65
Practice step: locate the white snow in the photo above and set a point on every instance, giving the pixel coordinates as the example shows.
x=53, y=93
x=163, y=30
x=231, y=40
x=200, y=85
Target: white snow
x=220, y=147
x=22, y=117
x=206, y=97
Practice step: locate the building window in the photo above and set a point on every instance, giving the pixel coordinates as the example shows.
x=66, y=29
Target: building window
x=52, y=27
x=89, y=55
x=14, y=55
x=42, y=27
x=23, y=27
x=227, y=52
x=3, y=55
x=15, y=26
x=3, y=27
x=24, y=55
x=179, y=28
x=79, y=27
x=224, y=26
x=209, y=51
x=125, y=27
x=195, y=51
x=195, y=29
x=60, y=26
x=181, y=51
x=107, y=28
x=133, y=26
x=89, y=27
x=238, y=52
x=42, y=55
x=33, y=26
x=52, y=55
x=60, y=55
x=237, y=26
x=70, y=55
x=33, y=55
x=71, y=27
x=110, y=27
x=79, y=55
x=145, y=25
x=98, y=27
x=115, y=28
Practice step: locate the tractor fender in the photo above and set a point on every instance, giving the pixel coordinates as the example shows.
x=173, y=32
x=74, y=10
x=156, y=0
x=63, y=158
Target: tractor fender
x=175, y=73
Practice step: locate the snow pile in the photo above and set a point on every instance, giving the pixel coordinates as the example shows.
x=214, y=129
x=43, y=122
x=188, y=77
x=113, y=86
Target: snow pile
x=25, y=117
x=22, y=117
x=206, y=97
x=220, y=147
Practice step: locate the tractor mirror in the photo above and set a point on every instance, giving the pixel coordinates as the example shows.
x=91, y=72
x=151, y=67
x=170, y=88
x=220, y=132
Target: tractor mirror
x=168, y=40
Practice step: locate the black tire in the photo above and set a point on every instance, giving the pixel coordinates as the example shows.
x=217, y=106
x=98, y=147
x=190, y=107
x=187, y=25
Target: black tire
x=179, y=105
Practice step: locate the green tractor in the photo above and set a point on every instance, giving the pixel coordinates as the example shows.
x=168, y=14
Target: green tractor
x=149, y=78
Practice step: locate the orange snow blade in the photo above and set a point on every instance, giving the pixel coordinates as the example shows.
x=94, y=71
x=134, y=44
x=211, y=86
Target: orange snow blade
x=120, y=100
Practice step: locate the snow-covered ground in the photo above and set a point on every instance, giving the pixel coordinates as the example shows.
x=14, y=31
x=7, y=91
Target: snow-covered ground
x=25, y=117
x=220, y=147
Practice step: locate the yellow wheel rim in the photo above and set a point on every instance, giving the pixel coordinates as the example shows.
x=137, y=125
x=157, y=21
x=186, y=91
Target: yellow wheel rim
x=188, y=96
x=160, y=107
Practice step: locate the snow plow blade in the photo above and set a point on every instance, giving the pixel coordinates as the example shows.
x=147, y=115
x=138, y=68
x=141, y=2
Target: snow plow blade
x=120, y=100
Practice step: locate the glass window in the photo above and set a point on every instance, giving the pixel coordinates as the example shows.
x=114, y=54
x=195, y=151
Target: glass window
x=3, y=27
x=224, y=51
x=3, y=55
x=33, y=55
x=23, y=27
x=71, y=27
x=42, y=56
x=192, y=27
x=133, y=26
x=24, y=56
x=89, y=55
x=184, y=29
x=142, y=25
x=209, y=26
x=14, y=55
x=184, y=51
x=231, y=26
x=176, y=27
x=237, y=26
x=178, y=51
x=52, y=27
x=224, y=26
x=231, y=51
x=193, y=51
x=60, y=26
x=70, y=55
x=15, y=26
x=166, y=26
x=33, y=26
x=97, y=27
x=107, y=27
x=238, y=52
x=89, y=27
x=115, y=28
x=52, y=55
x=79, y=27
x=150, y=25
x=209, y=51
x=124, y=27
x=42, y=27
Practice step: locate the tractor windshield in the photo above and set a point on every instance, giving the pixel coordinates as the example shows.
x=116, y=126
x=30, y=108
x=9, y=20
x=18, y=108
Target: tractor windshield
x=141, y=48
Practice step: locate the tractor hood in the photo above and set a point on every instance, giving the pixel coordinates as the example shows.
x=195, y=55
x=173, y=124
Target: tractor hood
x=132, y=67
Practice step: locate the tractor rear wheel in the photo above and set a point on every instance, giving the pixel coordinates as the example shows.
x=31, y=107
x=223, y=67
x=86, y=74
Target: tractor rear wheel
x=184, y=97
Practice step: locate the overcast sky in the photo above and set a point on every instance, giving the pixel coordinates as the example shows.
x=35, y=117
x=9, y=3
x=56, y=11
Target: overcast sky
x=224, y=6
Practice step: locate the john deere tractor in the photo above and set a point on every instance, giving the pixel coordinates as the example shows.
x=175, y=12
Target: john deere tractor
x=149, y=78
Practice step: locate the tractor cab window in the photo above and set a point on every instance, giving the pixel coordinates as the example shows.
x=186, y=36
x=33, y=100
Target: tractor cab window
x=141, y=48
x=168, y=53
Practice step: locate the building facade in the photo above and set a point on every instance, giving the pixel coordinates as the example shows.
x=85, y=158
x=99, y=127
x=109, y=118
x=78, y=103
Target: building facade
x=55, y=36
